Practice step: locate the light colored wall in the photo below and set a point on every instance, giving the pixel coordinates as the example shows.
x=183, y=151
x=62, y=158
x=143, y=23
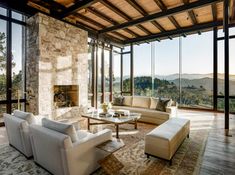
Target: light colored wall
x=56, y=55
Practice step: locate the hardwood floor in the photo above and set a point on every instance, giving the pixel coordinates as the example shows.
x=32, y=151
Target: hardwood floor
x=219, y=155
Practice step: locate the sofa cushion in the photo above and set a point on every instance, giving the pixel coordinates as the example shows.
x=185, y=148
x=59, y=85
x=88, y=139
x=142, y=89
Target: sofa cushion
x=127, y=101
x=29, y=117
x=141, y=102
x=63, y=128
x=118, y=100
x=153, y=102
x=163, y=104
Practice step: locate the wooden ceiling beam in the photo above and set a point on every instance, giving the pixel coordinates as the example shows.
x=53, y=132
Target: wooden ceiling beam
x=143, y=12
x=163, y=7
x=123, y=15
x=110, y=20
x=137, y=7
x=104, y=37
x=176, y=32
x=157, y=25
x=169, y=12
x=214, y=12
x=78, y=5
x=50, y=4
x=91, y=21
x=191, y=13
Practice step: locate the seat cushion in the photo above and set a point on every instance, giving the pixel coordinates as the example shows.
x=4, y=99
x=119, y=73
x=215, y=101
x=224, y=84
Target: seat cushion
x=29, y=117
x=142, y=102
x=168, y=129
x=63, y=128
x=127, y=101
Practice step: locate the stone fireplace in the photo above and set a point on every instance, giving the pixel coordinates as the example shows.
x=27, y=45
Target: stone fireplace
x=56, y=55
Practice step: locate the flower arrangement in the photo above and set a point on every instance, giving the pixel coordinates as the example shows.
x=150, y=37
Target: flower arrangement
x=106, y=106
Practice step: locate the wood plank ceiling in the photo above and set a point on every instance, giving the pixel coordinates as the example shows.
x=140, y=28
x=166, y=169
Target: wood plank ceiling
x=128, y=21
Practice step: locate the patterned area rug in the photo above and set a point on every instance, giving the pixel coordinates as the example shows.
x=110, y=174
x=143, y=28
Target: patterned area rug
x=186, y=161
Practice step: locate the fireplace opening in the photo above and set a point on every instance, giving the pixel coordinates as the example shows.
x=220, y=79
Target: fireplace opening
x=65, y=96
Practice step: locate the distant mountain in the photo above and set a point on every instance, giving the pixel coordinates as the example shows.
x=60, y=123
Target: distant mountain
x=192, y=76
x=207, y=83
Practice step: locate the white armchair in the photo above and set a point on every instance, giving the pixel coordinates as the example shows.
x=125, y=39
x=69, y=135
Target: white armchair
x=56, y=152
x=18, y=134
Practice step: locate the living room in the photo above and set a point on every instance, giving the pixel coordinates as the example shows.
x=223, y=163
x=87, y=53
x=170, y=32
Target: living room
x=117, y=87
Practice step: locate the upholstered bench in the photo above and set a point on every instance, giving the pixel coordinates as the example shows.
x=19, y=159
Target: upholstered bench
x=163, y=141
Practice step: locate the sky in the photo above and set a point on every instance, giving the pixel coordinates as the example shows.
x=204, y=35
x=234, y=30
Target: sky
x=197, y=55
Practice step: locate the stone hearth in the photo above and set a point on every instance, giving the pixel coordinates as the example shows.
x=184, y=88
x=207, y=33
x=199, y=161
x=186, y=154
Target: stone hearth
x=56, y=55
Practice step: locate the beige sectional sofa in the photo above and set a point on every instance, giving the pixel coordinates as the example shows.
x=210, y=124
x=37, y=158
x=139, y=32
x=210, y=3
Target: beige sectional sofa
x=147, y=107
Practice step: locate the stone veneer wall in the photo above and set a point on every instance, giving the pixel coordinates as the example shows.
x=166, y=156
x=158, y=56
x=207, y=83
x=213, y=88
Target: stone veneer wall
x=56, y=55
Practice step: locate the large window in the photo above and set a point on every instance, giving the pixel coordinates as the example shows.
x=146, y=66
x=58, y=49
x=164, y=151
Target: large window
x=142, y=76
x=107, y=75
x=197, y=71
x=220, y=99
x=12, y=62
x=166, y=81
x=117, y=71
x=90, y=73
x=126, y=63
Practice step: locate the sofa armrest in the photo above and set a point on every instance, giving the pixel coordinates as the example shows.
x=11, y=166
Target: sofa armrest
x=172, y=110
x=93, y=141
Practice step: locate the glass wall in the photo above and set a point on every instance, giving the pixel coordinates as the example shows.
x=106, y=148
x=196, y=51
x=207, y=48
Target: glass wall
x=142, y=77
x=90, y=73
x=107, y=75
x=12, y=61
x=3, y=60
x=166, y=82
x=116, y=71
x=126, y=63
x=220, y=99
x=197, y=71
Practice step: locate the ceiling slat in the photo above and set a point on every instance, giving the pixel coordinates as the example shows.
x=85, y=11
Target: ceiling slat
x=123, y=15
x=162, y=14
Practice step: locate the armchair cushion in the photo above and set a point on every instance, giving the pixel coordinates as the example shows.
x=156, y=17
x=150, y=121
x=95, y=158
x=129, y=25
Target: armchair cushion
x=29, y=117
x=63, y=128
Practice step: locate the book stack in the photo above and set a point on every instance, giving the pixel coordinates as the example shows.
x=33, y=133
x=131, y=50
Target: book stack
x=122, y=112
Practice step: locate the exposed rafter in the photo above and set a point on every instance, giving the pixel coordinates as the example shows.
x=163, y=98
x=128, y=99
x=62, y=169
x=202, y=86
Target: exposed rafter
x=91, y=21
x=169, y=12
x=108, y=19
x=191, y=13
x=123, y=15
x=214, y=12
x=175, y=32
x=78, y=5
x=143, y=12
x=163, y=7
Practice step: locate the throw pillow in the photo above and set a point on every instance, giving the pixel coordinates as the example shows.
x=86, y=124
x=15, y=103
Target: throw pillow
x=63, y=128
x=29, y=117
x=118, y=101
x=163, y=104
x=153, y=103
